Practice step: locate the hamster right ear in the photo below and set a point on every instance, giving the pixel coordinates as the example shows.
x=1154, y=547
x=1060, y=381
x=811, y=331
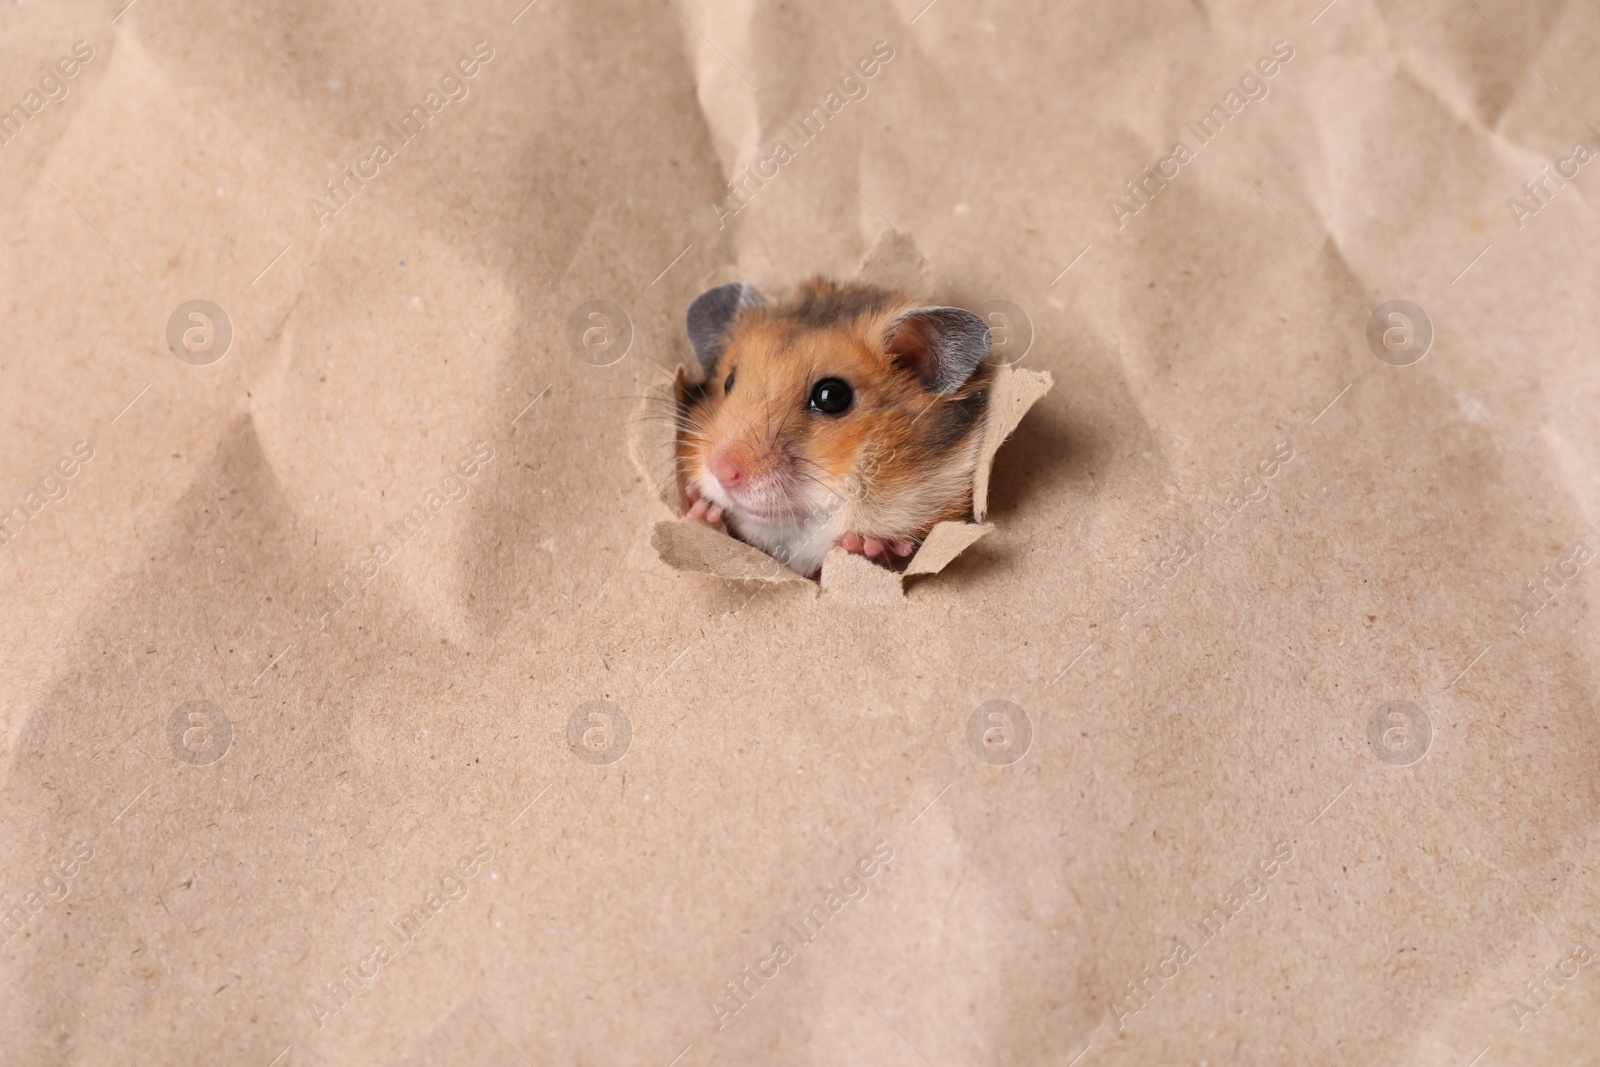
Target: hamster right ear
x=712, y=312
x=942, y=346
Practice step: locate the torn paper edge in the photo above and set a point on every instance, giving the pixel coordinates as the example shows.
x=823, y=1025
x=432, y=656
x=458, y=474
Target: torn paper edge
x=894, y=262
x=696, y=547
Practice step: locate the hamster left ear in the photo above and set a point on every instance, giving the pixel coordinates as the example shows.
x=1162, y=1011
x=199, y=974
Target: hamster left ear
x=942, y=346
x=712, y=312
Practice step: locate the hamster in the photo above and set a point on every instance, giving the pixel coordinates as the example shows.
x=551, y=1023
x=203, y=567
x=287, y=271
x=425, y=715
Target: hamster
x=850, y=416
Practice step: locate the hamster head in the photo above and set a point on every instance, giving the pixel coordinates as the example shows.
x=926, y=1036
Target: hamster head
x=850, y=409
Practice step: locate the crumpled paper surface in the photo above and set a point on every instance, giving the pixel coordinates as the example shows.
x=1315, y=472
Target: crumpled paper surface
x=348, y=714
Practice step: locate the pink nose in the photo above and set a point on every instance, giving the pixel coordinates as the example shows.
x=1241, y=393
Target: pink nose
x=728, y=471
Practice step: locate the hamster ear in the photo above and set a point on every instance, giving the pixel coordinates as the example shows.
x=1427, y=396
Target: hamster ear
x=942, y=346
x=712, y=312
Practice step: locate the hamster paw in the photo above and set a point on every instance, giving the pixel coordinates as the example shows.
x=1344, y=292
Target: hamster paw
x=879, y=550
x=701, y=510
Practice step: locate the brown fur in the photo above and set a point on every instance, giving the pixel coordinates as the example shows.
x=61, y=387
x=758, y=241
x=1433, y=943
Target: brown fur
x=888, y=448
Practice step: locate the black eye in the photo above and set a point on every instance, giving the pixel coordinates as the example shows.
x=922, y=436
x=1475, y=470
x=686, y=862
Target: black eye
x=831, y=396
x=727, y=383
